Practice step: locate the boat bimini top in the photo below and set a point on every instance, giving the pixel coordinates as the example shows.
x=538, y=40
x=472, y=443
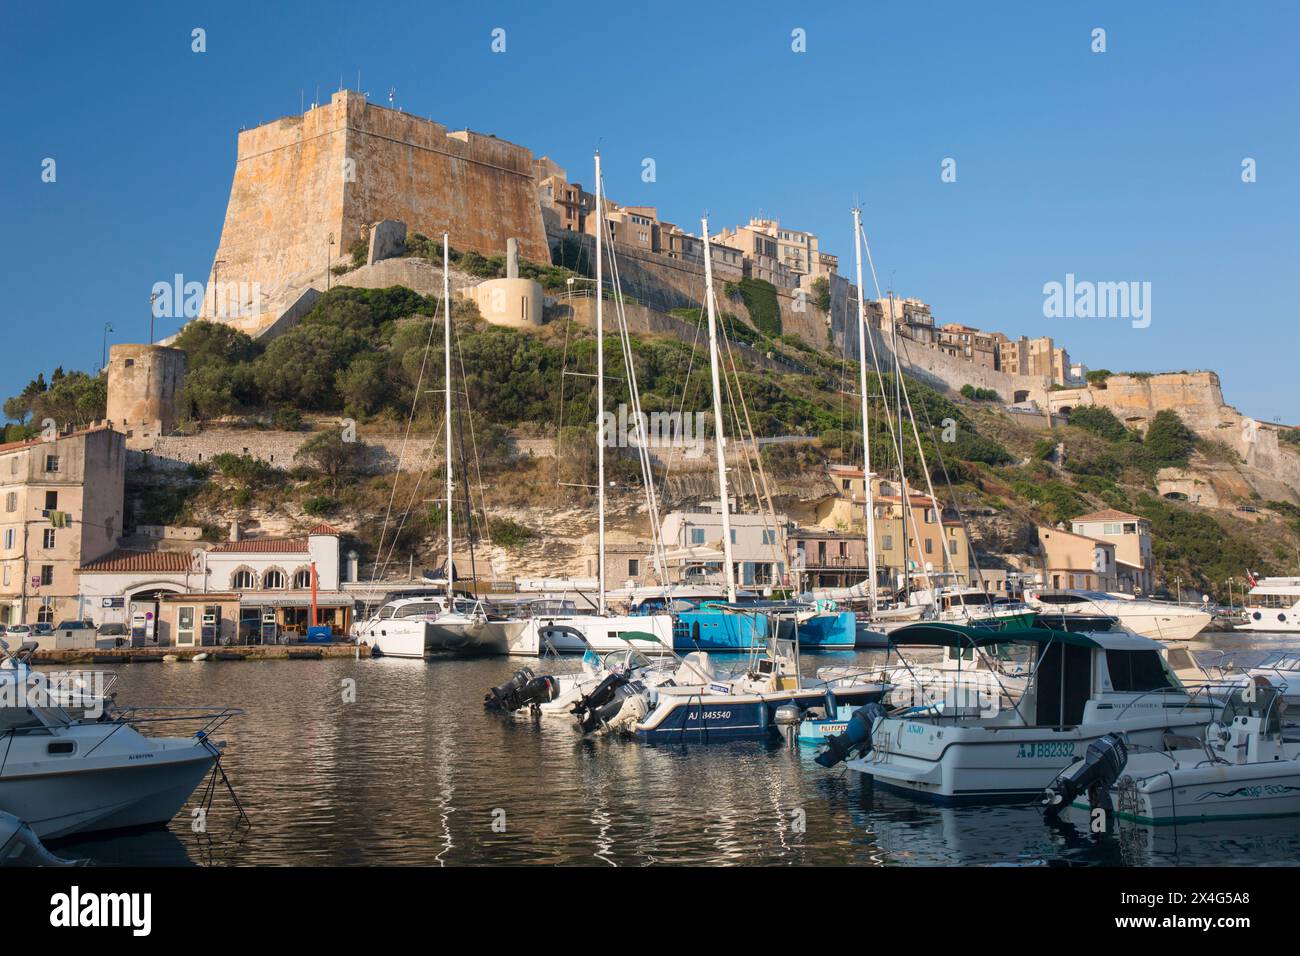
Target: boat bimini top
x=945, y=634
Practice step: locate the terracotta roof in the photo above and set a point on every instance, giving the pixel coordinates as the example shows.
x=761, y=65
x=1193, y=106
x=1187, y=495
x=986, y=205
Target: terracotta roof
x=263, y=546
x=324, y=528
x=30, y=442
x=1109, y=514
x=123, y=560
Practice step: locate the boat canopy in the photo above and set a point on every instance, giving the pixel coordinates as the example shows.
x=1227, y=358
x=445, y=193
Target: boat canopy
x=944, y=634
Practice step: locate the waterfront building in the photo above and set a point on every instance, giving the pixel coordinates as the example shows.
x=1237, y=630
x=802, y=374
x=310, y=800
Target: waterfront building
x=270, y=577
x=930, y=537
x=758, y=544
x=1131, y=534
x=1077, y=561
x=62, y=507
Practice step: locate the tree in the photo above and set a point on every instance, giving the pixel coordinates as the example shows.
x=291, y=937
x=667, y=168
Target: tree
x=1100, y=421
x=329, y=454
x=1168, y=441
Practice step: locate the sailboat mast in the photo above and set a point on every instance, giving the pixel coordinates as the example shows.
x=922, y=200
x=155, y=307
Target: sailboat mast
x=868, y=499
x=718, y=438
x=600, y=393
x=446, y=356
x=906, y=496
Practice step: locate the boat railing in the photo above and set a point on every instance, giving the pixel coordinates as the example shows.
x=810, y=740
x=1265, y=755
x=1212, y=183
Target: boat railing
x=209, y=717
x=1190, y=695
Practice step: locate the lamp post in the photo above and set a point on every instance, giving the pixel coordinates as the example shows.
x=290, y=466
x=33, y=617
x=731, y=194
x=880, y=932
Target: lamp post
x=103, y=352
x=153, y=297
x=329, y=256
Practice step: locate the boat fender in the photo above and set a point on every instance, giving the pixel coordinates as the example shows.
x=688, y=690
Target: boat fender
x=857, y=735
x=1101, y=766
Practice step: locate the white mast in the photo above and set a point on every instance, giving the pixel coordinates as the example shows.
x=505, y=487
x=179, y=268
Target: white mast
x=446, y=348
x=600, y=393
x=869, y=501
x=718, y=439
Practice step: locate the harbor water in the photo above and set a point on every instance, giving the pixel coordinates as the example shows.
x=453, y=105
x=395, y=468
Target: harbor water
x=359, y=762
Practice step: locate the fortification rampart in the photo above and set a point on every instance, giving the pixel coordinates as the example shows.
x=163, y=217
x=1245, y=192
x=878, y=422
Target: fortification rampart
x=303, y=180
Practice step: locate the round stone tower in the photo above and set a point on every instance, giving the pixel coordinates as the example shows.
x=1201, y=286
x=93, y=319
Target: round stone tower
x=144, y=391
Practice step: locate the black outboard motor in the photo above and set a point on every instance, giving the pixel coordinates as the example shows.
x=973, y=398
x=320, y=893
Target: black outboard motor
x=522, y=690
x=600, y=695
x=598, y=716
x=856, y=735
x=1102, y=764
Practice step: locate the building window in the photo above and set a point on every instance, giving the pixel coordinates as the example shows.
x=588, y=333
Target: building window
x=733, y=535
x=633, y=567
x=11, y=501
x=51, y=500
x=697, y=536
x=45, y=615
x=47, y=575
x=929, y=545
x=952, y=545
x=47, y=539
x=769, y=537
x=8, y=576
x=9, y=538
x=302, y=579
x=51, y=462
x=243, y=580
x=273, y=580
x=889, y=542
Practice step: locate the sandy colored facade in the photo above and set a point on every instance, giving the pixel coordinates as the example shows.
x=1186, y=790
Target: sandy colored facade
x=306, y=187
x=60, y=506
x=1131, y=535
x=1077, y=561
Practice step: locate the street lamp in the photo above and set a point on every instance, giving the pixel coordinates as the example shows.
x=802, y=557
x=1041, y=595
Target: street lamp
x=103, y=352
x=329, y=257
x=153, y=297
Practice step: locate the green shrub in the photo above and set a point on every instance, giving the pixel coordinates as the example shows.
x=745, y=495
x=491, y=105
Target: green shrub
x=320, y=506
x=1099, y=420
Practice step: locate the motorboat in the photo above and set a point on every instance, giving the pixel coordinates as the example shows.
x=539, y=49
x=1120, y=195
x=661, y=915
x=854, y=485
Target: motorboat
x=1273, y=604
x=1158, y=620
x=568, y=632
x=767, y=694
x=962, y=604
x=1080, y=686
x=413, y=625
x=1242, y=767
x=64, y=774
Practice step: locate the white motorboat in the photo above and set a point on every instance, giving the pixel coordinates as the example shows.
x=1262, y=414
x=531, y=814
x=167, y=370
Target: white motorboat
x=1082, y=685
x=414, y=625
x=1242, y=767
x=1158, y=620
x=63, y=775
x=1273, y=604
x=568, y=633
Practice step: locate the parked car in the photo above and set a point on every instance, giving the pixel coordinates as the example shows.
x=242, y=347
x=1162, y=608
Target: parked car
x=20, y=632
x=42, y=627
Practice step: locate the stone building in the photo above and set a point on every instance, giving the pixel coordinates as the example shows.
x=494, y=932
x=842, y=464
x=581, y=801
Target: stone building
x=62, y=507
x=145, y=390
x=305, y=187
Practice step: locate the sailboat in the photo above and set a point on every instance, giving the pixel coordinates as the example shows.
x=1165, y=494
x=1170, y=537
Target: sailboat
x=602, y=631
x=413, y=625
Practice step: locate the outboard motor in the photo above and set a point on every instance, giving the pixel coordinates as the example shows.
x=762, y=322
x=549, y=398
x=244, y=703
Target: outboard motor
x=1102, y=764
x=856, y=735
x=522, y=690
x=600, y=695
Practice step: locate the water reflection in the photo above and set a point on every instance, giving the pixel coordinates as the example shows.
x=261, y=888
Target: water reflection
x=415, y=772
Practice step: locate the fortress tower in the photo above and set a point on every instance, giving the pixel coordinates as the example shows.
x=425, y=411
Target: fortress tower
x=344, y=165
x=144, y=391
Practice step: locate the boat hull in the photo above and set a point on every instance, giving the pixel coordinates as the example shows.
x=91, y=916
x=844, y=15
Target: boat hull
x=950, y=763
x=149, y=793
x=708, y=630
x=708, y=718
x=1197, y=793
x=575, y=634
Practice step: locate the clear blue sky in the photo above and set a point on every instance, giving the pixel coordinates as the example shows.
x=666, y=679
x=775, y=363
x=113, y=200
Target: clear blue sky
x=1124, y=165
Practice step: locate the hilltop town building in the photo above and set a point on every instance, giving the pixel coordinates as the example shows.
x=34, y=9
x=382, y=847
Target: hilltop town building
x=62, y=507
x=758, y=544
x=145, y=392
